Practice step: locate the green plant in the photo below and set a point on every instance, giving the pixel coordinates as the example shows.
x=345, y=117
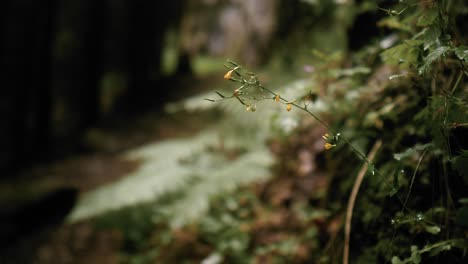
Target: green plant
x=404, y=103
x=427, y=73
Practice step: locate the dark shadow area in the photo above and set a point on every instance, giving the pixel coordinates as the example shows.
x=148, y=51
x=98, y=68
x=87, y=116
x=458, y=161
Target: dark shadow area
x=57, y=56
x=25, y=225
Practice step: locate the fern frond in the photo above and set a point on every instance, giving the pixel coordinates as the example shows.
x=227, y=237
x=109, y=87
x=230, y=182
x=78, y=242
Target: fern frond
x=171, y=166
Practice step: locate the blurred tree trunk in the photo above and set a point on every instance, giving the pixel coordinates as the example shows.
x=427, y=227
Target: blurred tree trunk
x=147, y=25
x=41, y=99
x=27, y=30
x=144, y=44
x=78, y=64
x=92, y=36
x=66, y=39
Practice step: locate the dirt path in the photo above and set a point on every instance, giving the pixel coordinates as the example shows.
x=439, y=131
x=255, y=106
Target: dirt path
x=36, y=202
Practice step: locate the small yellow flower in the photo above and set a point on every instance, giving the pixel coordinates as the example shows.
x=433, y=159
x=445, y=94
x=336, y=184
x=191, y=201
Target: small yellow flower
x=329, y=146
x=288, y=107
x=326, y=136
x=277, y=98
x=228, y=74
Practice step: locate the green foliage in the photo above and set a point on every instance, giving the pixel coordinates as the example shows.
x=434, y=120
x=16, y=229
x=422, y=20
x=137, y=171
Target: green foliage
x=462, y=53
x=406, y=54
x=434, y=250
x=194, y=169
x=429, y=80
x=412, y=206
x=411, y=151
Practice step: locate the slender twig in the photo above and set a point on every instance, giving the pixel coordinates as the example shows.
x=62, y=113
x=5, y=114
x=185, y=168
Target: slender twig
x=352, y=199
x=359, y=153
x=252, y=81
x=414, y=176
x=457, y=82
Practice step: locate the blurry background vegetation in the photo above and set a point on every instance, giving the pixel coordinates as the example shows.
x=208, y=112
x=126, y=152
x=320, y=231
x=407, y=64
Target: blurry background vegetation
x=110, y=154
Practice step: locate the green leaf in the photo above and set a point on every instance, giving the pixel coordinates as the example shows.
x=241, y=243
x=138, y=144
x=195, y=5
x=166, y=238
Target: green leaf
x=433, y=229
x=411, y=151
x=462, y=52
x=431, y=57
x=405, y=55
x=393, y=23
x=431, y=35
x=396, y=260
x=232, y=63
x=446, y=246
x=415, y=255
x=428, y=18
x=434, y=55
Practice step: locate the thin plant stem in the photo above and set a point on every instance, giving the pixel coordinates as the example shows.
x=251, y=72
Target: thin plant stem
x=352, y=200
x=414, y=176
x=253, y=81
x=457, y=82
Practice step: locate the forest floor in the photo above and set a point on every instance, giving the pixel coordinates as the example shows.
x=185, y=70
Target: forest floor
x=58, y=184
x=49, y=191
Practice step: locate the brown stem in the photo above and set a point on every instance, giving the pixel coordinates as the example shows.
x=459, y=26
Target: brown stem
x=352, y=199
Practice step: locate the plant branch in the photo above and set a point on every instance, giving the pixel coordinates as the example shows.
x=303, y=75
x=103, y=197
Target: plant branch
x=352, y=199
x=252, y=81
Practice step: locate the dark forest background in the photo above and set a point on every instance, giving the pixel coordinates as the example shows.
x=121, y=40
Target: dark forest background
x=69, y=65
x=55, y=56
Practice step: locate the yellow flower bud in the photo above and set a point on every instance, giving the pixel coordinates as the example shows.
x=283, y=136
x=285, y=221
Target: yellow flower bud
x=277, y=98
x=228, y=74
x=288, y=107
x=329, y=146
x=236, y=92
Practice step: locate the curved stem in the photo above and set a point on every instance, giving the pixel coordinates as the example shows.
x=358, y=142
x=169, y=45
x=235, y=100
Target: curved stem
x=352, y=200
x=254, y=82
x=414, y=176
x=355, y=150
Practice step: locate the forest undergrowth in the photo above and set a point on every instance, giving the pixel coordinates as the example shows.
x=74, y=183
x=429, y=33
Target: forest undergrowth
x=404, y=95
x=374, y=171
